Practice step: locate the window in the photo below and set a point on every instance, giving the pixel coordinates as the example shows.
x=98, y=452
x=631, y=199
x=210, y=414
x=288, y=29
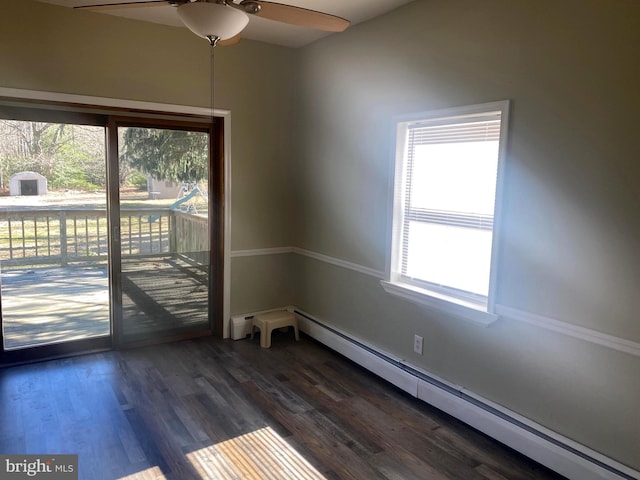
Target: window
x=447, y=176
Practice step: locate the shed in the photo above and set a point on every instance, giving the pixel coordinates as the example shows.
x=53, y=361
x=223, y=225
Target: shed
x=162, y=188
x=27, y=183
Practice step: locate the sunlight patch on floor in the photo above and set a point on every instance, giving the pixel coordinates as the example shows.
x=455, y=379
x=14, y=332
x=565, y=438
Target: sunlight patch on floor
x=258, y=455
x=255, y=455
x=153, y=473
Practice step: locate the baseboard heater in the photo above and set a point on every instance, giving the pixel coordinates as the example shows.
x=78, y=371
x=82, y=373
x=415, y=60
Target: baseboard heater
x=562, y=455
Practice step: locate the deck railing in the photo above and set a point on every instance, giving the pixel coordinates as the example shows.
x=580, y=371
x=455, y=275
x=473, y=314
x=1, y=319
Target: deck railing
x=61, y=236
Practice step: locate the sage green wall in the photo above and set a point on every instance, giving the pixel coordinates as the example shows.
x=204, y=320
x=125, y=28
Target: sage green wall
x=55, y=49
x=570, y=219
x=264, y=282
x=571, y=227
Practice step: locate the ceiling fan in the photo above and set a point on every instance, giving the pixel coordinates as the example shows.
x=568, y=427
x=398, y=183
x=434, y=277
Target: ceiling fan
x=221, y=21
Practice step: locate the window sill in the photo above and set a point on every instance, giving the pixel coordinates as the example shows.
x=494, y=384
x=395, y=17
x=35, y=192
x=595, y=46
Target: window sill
x=471, y=312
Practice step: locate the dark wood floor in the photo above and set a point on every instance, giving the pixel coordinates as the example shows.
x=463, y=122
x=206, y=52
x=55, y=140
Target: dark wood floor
x=220, y=409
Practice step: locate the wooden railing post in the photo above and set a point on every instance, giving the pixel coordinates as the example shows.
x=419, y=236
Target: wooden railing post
x=64, y=257
x=173, y=238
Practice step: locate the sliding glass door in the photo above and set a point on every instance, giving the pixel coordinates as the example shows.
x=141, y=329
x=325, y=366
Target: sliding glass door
x=163, y=237
x=110, y=231
x=54, y=245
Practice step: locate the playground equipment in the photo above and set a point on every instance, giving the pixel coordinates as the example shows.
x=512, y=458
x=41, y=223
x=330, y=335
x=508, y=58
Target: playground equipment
x=186, y=200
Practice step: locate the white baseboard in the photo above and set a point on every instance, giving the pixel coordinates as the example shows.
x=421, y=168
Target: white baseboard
x=562, y=455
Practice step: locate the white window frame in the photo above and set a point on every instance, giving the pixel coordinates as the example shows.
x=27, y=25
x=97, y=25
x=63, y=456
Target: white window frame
x=477, y=310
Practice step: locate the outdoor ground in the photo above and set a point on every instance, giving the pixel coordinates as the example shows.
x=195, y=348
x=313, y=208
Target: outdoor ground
x=80, y=198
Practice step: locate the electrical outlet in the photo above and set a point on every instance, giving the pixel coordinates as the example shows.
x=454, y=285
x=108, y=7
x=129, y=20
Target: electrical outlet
x=417, y=344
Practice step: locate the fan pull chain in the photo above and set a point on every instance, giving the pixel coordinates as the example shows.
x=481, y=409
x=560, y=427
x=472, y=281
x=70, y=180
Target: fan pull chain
x=211, y=98
x=212, y=79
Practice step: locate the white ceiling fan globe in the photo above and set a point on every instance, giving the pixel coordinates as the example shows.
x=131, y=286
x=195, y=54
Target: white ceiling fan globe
x=213, y=20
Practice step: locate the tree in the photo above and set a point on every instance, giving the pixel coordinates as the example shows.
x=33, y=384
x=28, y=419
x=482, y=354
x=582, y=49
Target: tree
x=31, y=145
x=174, y=155
x=69, y=156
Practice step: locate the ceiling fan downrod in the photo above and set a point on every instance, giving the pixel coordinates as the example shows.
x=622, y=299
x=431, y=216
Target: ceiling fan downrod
x=213, y=40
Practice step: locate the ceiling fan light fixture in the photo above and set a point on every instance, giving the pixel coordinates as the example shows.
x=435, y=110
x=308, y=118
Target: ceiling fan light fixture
x=212, y=20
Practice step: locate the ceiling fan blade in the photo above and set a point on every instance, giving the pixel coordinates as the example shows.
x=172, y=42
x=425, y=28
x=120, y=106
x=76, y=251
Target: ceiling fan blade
x=301, y=17
x=115, y=6
x=229, y=41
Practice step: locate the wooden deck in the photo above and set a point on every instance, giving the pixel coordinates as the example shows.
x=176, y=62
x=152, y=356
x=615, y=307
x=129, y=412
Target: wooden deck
x=51, y=305
x=163, y=296
x=58, y=304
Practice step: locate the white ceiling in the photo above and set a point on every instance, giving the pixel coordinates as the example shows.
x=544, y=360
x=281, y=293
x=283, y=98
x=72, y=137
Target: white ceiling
x=269, y=31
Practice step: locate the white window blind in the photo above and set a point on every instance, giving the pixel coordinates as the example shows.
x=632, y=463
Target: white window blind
x=450, y=172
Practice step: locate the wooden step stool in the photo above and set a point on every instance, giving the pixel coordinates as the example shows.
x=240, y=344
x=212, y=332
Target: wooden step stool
x=268, y=322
